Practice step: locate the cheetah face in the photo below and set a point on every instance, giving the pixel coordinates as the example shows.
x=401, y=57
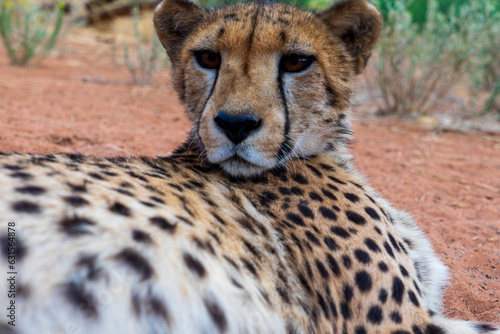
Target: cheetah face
x=264, y=83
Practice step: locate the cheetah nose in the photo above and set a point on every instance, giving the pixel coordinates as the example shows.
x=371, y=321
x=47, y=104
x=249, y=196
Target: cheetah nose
x=237, y=127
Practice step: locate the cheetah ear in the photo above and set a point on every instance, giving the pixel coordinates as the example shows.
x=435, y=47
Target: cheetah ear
x=358, y=23
x=174, y=20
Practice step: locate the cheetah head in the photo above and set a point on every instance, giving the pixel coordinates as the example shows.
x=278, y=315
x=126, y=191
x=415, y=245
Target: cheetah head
x=264, y=83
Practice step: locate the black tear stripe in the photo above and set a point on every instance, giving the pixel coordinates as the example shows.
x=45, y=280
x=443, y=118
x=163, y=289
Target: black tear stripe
x=285, y=149
x=202, y=147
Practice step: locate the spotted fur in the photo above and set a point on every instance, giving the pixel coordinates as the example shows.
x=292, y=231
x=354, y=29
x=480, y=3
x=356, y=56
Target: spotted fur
x=280, y=236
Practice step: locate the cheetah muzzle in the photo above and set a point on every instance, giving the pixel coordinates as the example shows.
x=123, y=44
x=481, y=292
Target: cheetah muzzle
x=259, y=223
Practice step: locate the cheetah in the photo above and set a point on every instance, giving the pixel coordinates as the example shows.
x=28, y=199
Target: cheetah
x=259, y=223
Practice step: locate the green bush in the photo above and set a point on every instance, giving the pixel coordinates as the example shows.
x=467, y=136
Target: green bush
x=142, y=61
x=29, y=32
x=416, y=65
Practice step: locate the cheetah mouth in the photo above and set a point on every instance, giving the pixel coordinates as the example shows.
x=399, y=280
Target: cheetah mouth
x=236, y=159
x=238, y=166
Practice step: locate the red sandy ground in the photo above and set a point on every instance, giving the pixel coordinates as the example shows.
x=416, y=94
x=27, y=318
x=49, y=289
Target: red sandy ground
x=78, y=101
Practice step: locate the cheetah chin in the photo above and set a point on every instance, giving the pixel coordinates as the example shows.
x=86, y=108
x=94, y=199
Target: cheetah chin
x=259, y=223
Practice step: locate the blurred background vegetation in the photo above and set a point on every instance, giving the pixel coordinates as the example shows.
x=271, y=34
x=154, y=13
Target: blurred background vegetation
x=428, y=48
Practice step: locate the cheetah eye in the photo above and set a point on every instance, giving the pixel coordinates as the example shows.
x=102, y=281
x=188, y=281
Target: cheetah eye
x=295, y=63
x=207, y=59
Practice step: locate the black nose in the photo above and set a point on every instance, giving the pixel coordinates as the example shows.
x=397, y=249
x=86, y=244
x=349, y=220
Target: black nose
x=239, y=127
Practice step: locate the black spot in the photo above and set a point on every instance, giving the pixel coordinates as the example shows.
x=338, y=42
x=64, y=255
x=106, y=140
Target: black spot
x=332, y=263
x=284, y=191
x=300, y=179
x=26, y=207
x=194, y=265
x=348, y=293
x=89, y=262
x=120, y=209
x=360, y=330
x=382, y=296
x=259, y=179
x=322, y=303
x=250, y=266
x=377, y=230
x=346, y=260
x=21, y=175
x=333, y=309
x=137, y=262
x=395, y=317
x=484, y=328
x=331, y=243
x=270, y=196
x=137, y=176
x=328, y=194
x=297, y=191
x=336, y=180
x=363, y=281
x=341, y=232
x=417, y=288
x=403, y=271
x=76, y=225
x=141, y=236
x=283, y=292
x=221, y=32
x=327, y=213
x=433, y=329
x=314, y=170
x=345, y=311
x=76, y=201
x=312, y=238
x=394, y=243
x=306, y=212
x=75, y=157
x=362, y=256
x=304, y=282
x=150, y=305
x=413, y=298
x=315, y=197
x=296, y=219
x=322, y=270
x=388, y=248
x=372, y=245
x=124, y=192
x=217, y=314
x=163, y=224
x=96, y=176
x=252, y=248
x=10, y=246
x=31, y=190
x=351, y=197
x=157, y=200
x=375, y=315
x=383, y=267
x=12, y=167
x=398, y=290
x=400, y=332
x=372, y=213
x=416, y=330
x=77, y=295
x=355, y=218
x=78, y=188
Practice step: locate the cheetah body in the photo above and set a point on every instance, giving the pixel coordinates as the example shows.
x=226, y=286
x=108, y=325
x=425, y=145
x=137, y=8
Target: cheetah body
x=305, y=249
x=258, y=224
